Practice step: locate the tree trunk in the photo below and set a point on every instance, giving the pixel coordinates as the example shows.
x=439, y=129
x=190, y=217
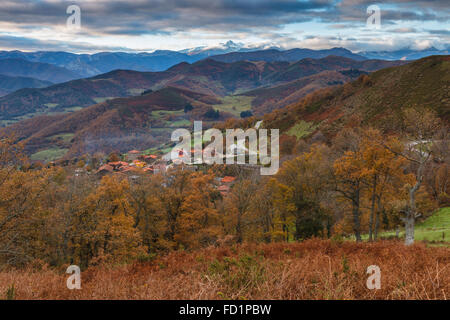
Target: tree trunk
x=285, y=227
x=356, y=227
x=298, y=224
x=372, y=209
x=239, y=229
x=380, y=210
x=266, y=230
x=356, y=222
x=411, y=213
x=329, y=225
x=377, y=225
x=409, y=230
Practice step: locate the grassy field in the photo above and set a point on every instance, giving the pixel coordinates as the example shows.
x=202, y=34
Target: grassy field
x=73, y=109
x=163, y=113
x=49, y=154
x=434, y=228
x=183, y=123
x=136, y=91
x=5, y=123
x=102, y=99
x=235, y=104
x=47, y=111
x=64, y=137
x=51, y=105
x=302, y=129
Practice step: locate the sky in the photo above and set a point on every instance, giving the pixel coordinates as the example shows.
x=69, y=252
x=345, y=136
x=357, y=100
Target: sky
x=148, y=25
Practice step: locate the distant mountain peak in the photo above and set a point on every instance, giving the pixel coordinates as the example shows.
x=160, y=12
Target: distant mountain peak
x=231, y=44
x=406, y=53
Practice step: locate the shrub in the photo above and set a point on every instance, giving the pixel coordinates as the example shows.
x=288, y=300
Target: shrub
x=246, y=114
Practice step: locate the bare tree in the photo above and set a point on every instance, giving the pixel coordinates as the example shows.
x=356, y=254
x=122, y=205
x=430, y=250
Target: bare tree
x=420, y=128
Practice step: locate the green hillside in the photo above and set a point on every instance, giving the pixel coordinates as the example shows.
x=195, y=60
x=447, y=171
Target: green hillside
x=435, y=228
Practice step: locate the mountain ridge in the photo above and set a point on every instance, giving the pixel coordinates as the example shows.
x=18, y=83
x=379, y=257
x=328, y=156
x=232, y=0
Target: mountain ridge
x=88, y=65
x=206, y=76
x=10, y=84
x=146, y=121
x=41, y=71
x=377, y=99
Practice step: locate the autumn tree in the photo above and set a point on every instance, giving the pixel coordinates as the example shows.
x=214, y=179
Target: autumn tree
x=263, y=211
x=283, y=208
x=382, y=173
x=145, y=199
x=199, y=224
x=348, y=177
x=20, y=217
x=18, y=195
x=239, y=204
x=176, y=184
x=303, y=182
x=103, y=227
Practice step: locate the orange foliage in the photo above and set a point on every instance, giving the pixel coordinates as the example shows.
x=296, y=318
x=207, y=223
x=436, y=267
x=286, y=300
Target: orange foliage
x=313, y=269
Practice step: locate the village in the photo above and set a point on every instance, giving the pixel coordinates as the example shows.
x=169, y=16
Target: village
x=139, y=164
x=134, y=164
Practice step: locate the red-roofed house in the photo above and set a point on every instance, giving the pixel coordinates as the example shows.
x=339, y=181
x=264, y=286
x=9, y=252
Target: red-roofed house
x=105, y=169
x=118, y=164
x=133, y=154
x=149, y=159
x=228, y=180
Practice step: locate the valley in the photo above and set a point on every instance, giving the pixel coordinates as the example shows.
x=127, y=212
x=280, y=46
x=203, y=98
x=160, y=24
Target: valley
x=122, y=108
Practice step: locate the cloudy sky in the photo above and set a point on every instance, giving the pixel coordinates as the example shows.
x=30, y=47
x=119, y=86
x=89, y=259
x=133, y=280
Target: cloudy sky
x=147, y=25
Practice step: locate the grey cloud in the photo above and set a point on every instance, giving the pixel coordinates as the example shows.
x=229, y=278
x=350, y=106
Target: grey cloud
x=155, y=16
x=29, y=44
x=440, y=32
x=403, y=30
x=264, y=18
x=162, y=17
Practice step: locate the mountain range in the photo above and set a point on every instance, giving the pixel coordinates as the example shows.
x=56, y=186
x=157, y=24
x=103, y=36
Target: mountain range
x=58, y=67
x=286, y=55
x=404, y=54
x=88, y=65
x=209, y=77
x=17, y=67
x=9, y=84
x=147, y=120
x=50, y=104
